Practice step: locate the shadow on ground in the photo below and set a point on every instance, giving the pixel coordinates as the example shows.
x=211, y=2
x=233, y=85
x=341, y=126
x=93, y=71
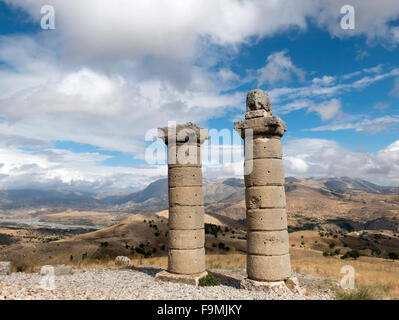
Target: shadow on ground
x=151, y=271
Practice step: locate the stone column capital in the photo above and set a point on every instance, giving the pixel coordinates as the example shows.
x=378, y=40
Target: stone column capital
x=183, y=133
x=269, y=126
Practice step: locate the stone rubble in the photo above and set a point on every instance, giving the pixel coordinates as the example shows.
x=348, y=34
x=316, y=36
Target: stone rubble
x=134, y=283
x=5, y=267
x=122, y=261
x=58, y=270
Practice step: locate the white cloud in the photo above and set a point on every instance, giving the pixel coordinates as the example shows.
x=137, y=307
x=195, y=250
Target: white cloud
x=45, y=100
x=395, y=90
x=381, y=106
x=325, y=80
x=327, y=110
x=288, y=99
x=63, y=169
x=314, y=97
x=279, y=67
x=112, y=70
x=172, y=28
x=295, y=165
x=319, y=157
x=365, y=124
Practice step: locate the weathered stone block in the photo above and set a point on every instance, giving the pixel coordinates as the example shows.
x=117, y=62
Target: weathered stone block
x=264, y=148
x=263, y=126
x=192, y=279
x=256, y=113
x=184, y=155
x=268, y=268
x=264, y=172
x=186, y=239
x=187, y=217
x=184, y=176
x=265, y=197
x=186, y=196
x=122, y=261
x=276, y=287
x=5, y=268
x=293, y=284
x=268, y=242
x=188, y=132
x=58, y=270
x=258, y=99
x=266, y=219
x=186, y=261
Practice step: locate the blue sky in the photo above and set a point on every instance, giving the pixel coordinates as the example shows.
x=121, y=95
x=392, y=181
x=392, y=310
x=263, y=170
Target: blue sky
x=76, y=102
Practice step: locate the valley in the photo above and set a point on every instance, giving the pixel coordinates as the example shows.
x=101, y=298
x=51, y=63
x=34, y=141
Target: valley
x=328, y=220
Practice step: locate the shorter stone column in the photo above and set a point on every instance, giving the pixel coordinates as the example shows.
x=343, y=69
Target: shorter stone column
x=186, y=252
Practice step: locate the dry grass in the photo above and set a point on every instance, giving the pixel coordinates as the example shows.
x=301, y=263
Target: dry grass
x=375, y=278
x=380, y=275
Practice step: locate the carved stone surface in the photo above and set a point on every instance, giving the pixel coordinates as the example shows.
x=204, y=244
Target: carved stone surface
x=192, y=279
x=258, y=100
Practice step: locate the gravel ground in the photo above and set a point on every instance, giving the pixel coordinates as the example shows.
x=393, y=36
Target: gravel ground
x=138, y=283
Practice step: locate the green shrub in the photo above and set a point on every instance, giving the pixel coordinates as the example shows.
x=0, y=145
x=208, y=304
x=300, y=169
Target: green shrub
x=209, y=280
x=22, y=267
x=352, y=254
x=394, y=255
x=221, y=245
x=212, y=229
x=104, y=244
x=360, y=293
x=139, y=250
x=326, y=254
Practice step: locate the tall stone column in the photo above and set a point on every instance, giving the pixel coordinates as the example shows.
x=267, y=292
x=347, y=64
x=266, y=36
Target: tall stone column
x=268, y=258
x=186, y=253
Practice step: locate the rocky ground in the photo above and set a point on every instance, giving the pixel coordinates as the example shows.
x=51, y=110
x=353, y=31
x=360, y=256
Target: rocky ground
x=138, y=283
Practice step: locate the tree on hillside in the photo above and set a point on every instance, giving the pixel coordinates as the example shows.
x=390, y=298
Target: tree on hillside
x=394, y=255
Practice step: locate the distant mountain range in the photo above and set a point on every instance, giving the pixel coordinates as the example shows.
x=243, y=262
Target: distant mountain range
x=155, y=196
